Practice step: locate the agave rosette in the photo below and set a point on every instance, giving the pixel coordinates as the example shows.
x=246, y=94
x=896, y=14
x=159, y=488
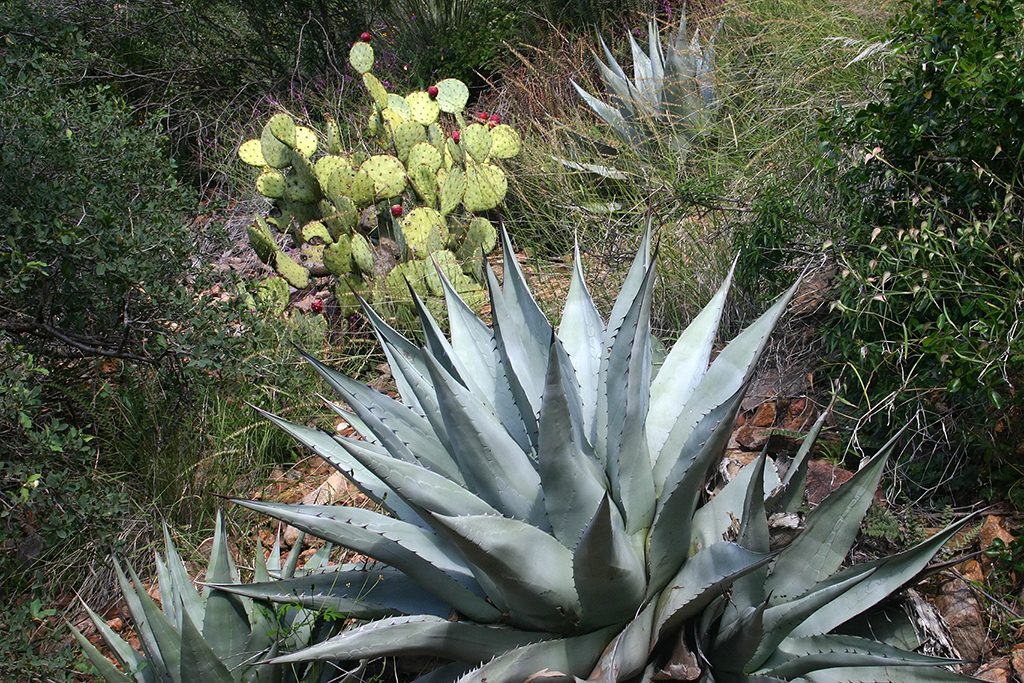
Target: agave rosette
x=673, y=87
x=540, y=508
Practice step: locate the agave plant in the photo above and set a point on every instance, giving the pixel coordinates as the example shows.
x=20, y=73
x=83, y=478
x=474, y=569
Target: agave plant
x=673, y=89
x=210, y=636
x=540, y=509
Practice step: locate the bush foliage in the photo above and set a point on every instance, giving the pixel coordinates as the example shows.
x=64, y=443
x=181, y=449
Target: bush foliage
x=931, y=288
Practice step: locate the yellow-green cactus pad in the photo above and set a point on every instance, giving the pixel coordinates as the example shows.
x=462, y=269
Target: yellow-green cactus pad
x=406, y=136
x=283, y=128
x=361, y=57
x=453, y=153
x=338, y=258
x=312, y=258
x=485, y=187
x=286, y=267
x=453, y=188
x=422, y=109
x=388, y=174
x=251, y=153
x=424, y=154
x=362, y=253
x=448, y=264
x=333, y=136
x=302, y=185
x=305, y=141
x=374, y=124
x=395, y=288
x=435, y=135
x=425, y=183
x=397, y=104
x=326, y=165
x=452, y=95
x=376, y=89
x=425, y=231
x=476, y=140
x=271, y=184
x=505, y=142
x=354, y=183
x=294, y=214
x=275, y=153
x=392, y=120
x=262, y=241
x=481, y=237
x=339, y=216
x=315, y=229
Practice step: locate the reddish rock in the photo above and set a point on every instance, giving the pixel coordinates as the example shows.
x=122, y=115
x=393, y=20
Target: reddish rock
x=993, y=529
x=997, y=670
x=962, y=613
x=765, y=415
x=824, y=478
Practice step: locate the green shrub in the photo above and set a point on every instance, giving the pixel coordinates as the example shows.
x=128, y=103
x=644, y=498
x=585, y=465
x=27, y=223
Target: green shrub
x=928, y=324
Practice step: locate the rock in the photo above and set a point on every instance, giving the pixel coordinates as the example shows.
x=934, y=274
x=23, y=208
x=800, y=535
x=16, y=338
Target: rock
x=752, y=438
x=765, y=415
x=824, y=478
x=991, y=530
x=1017, y=660
x=962, y=614
x=996, y=670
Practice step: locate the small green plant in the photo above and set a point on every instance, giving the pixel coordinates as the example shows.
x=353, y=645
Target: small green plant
x=542, y=494
x=384, y=217
x=210, y=636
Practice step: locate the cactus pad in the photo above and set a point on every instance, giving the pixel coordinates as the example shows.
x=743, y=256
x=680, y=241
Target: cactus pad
x=453, y=188
x=340, y=216
x=453, y=153
x=362, y=253
x=305, y=141
x=333, y=136
x=506, y=142
x=476, y=140
x=424, y=182
x=361, y=57
x=354, y=183
x=338, y=258
x=424, y=154
x=376, y=90
x=481, y=237
x=422, y=109
x=262, y=241
x=397, y=104
x=406, y=136
x=345, y=292
x=388, y=174
x=283, y=128
x=302, y=185
x=392, y=120
x=425, y=231
x=315, y=229
x=296, y=275
x=485, y=187
x=326, y=165
x=452, y=95
x=275, y=153
x=271, y=184
x=251, y=153
x=435, y=135
x=293, y=213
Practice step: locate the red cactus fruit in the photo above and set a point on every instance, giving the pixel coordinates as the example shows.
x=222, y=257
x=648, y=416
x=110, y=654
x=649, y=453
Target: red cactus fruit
x=317, y=306
x=483, y=116
x=396, y=210
x=432, y=91
x=456, y=135
x=365, y=37
x=495, y=119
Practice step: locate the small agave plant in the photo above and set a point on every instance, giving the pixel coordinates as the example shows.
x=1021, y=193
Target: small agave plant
x=540, y=509
x=211, y=636
x=673, y=89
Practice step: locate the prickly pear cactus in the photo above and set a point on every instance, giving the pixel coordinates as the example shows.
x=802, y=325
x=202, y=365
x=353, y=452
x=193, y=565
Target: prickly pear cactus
x=398, y=213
